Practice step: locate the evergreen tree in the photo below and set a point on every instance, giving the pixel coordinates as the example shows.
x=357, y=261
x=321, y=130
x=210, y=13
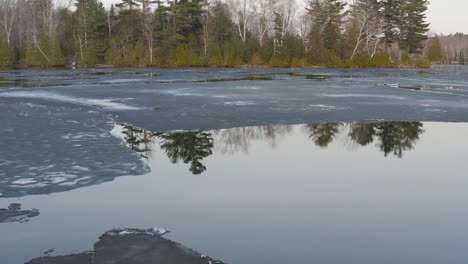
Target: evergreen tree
x=392, y=15
x=435, y=52
x=325, y=36
x=91, y=31
x=413, y=25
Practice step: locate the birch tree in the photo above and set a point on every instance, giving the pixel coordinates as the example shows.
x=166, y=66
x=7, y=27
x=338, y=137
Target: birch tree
x=370, y=27
x=284, y=15
x=242, y=13
x=264, y=15
x=148, y=25
x=7, y=17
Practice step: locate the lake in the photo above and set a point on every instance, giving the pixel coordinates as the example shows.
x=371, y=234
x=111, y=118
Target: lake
x=243, y=166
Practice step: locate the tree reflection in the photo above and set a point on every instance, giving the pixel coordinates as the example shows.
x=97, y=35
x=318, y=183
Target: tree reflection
x=362, y=134
x=138, y=139
x=189, y=147
x=398, y=137
x=323, y=133
x=193, y=146
x=240, y=139
x=393, y=137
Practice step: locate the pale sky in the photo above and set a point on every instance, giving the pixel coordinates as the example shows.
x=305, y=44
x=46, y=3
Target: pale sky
x=445, y=16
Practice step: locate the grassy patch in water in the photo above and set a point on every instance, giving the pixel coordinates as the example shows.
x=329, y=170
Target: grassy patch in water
x=27, y=83
x=310, y=76
x=251, y=78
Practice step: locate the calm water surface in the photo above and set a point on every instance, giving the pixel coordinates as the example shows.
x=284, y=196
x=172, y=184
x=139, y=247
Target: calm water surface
x=388, y=192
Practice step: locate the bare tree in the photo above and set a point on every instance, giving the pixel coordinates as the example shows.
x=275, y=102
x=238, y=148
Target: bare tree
x=284, y=15
x=205, y=24
x=148, y=23
x=370, y=25
x=242, y=12
x=304, y=27
x=264, y=18
x=455, y=47
x=7, y=14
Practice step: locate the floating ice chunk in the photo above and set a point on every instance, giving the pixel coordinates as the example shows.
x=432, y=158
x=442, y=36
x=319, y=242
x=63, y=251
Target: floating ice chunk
x=125, y=232
x=24, y=181
x=394, y=85
x=80, y=168
x=159, y=231
x=240, y=103
x=123, y=80
x=104, y=103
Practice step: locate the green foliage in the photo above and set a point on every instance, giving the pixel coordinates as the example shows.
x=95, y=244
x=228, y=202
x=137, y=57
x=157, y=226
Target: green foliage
x=185, y=57
x=406, y=59
x=135, y=56
x=327, y=22
x=45, y=53
x=279, y=62
x=266, y=51
x=413, y=26
x=392, y=15
x=423, y=63
x=7, y=54
x=186, y=33
x=435, y=52
x=90, y=31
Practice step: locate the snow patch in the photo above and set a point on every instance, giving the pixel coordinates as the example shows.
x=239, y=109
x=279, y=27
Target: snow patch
x=240, y=103
x=24, y=181
x=104, y=103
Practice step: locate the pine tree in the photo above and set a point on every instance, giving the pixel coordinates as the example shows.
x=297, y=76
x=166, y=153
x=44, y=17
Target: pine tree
x=413, y=26
x=91, y=31
x=435, y=52
x=326, y=34
x=392, y=15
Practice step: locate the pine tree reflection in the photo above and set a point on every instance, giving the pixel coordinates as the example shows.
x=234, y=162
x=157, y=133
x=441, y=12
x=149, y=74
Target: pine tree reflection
x=398, y=137
x=138, y=140
x=393, y=137
x=192, y=147
x=189, y=147
x=362, y=134
x=323, y=134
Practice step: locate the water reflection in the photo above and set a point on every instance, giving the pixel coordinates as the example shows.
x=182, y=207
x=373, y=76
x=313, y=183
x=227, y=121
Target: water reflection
x=132, y=246
x=392, y=137
x=323, y=134
x=192, y=147
x=189, y=147
x=234, y=140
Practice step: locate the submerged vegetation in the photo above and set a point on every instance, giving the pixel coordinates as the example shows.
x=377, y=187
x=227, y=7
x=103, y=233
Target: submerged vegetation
x=186, y=33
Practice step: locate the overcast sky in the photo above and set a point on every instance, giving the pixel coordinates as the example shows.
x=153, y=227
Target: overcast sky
x=445, y=16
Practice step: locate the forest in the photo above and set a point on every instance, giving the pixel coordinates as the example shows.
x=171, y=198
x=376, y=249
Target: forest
x=227, y=33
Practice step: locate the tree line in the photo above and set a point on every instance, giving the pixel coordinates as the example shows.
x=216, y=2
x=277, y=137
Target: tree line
x=455, y=48
x=223, y=33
